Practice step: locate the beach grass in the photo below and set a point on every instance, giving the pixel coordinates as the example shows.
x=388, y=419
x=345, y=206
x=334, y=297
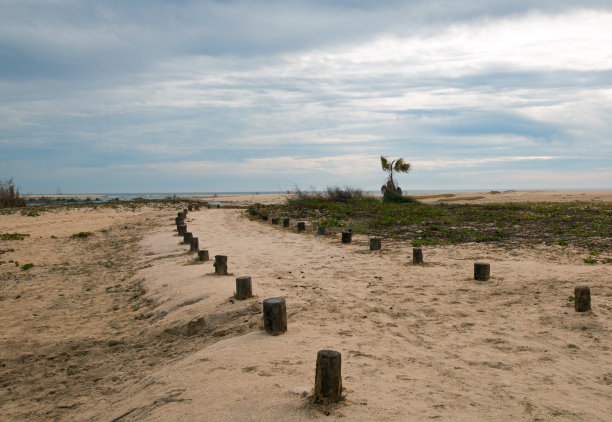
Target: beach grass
x=584, y=224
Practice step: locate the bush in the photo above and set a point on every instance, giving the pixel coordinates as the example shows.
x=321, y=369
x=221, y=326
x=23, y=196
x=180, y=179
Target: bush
x=398, y=198
x=9, y=195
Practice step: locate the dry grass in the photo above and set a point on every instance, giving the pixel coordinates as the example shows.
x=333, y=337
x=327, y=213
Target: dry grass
x=9, y=195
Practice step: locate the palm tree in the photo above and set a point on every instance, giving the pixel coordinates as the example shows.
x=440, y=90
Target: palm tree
x=396, y=165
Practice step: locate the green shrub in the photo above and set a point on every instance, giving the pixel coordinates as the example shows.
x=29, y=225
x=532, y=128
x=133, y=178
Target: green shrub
x=26, y=267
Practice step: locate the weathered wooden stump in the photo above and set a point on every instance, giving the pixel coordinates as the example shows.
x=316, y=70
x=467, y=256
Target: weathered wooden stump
x=582, y=298
x=328, y=377
x=347, y=237
x=243, y=288
x=203, y=255
x=375, y=243
x=182, y=229
x=195, y=245
x=264, y=217
x=320, y=230
x=197, y=207
x=190, y=207
x=220, y=264
x=181, y=215
x=286, y=222
x=187, y=238
x=301, y=226
x=417, y=255
x=185, y=213
x=482, y=271
x=275, y=315
x=275, y=221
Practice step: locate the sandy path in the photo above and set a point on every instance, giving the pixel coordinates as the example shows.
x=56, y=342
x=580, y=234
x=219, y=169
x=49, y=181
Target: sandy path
x=418, y=342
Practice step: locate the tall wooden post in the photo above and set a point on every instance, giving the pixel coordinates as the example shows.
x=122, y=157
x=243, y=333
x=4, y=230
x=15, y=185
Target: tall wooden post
x=243, y=288
x=275, y=315
x=328, y=377
x=582, y=298
x=482, y=271
x=220, y=264
x=417, y=255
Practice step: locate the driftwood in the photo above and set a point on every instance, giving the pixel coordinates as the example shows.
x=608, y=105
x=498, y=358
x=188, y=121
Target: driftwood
x=275, y=315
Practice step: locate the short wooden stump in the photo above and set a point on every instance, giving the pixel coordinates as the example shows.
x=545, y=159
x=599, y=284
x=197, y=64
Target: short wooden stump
x=187, y=238
x=243, y=288
x=286, y=222
x=301, y=226
x=328, y=377
x=320, y=230
x=195, y=245
x=275, y=221
x=203, y=255
x=375, y=243
x=417, y=255
x=482, y=271
x=582, y=298
x=182, y=229
x=275, y=315
x=347, y=237
x=220, y=264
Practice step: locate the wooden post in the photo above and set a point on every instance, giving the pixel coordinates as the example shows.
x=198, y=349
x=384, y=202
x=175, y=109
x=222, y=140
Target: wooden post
x=264, y=217
x=347, y=237
x=181, y=216
x=182, y=229
x=417, y=255
x=582, y=298
x=190, y=207
x=197, y=207
x=220, y=264
x=203, y=255
x=275, y=221
x=320, y=230
x=195, y=245
x=375, y=243
x=243, y=288
x=482, y=271
x=328, y=377
x=301, y=226
x=275, y=315
x=286, y=222
x=185, y=213
x=187, y=238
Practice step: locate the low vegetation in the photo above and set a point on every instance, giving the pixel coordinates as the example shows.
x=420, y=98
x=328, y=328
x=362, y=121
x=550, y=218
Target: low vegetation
x=9, y=195
x=582, y=224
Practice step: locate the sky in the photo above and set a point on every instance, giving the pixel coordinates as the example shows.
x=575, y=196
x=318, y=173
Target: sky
x=235, y=96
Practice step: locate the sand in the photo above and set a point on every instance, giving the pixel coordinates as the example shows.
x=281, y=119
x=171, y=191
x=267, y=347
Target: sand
x=125, y=325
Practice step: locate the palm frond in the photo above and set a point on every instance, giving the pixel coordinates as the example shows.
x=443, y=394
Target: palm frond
x=401, y=166
x=384, y=162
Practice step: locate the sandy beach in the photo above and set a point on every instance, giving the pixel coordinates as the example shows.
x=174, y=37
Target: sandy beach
x=124, y=324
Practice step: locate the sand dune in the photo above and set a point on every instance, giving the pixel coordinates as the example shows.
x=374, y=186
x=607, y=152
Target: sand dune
x=134, y=328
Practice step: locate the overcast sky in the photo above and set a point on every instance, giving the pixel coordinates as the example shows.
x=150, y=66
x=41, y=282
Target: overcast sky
x=182, y=96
